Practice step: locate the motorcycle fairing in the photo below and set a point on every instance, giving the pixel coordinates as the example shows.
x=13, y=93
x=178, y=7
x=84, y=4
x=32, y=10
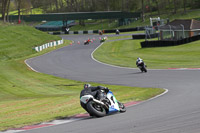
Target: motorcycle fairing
x=114, y=107
x=86, y=98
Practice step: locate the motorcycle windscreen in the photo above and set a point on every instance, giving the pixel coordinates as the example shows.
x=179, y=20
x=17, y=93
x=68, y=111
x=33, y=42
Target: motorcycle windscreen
x=114, y=107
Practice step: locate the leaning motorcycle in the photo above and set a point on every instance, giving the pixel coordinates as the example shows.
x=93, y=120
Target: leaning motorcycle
x=142, y=66
x=86, y=42
x=103, y=39
x=100, y=108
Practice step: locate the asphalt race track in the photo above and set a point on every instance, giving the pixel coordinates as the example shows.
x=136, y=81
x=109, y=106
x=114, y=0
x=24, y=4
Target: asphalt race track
x=178, y=111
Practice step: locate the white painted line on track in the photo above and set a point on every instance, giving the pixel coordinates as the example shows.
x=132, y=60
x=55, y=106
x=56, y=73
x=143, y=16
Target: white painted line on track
x=38, y=56
x=166, y=91
x=42, y=125
x=59, y=122
x=135, y=68
x=12, y=131
x=30, y=66
x=105, y=63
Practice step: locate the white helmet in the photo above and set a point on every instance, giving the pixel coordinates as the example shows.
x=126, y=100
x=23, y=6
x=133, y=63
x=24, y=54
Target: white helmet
x=86, y=86
x=139, y=60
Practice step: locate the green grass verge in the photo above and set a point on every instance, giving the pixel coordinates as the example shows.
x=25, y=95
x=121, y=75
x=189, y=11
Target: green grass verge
x=124, y=53
x=119, y=37
x=27, y=97
x=124, y=36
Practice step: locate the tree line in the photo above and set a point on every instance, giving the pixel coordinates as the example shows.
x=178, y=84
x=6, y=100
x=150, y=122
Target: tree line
x=57, y=6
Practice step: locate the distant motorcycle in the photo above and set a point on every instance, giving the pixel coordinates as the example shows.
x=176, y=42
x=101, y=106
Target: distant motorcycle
x=87, y=42
x=117, y=32
x=101, y=108
x=103, y=39
x=142, y=66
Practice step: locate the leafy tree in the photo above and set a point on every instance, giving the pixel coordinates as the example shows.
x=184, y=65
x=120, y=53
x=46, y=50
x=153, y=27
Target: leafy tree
x=142, y=10
x=5, y=4
x=184, y=5
x=196, y=4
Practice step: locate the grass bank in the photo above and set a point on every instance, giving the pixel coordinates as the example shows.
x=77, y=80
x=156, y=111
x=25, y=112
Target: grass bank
x=124, y=53
x=119, y=37
x=27, y=97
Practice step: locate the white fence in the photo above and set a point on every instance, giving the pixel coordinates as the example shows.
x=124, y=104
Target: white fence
x=50, y=44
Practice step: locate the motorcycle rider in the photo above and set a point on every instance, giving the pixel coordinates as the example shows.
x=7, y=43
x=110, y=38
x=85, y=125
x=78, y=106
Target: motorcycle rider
x=139, y=61
x=117, y=32
x=87, y=41
x=94, y=91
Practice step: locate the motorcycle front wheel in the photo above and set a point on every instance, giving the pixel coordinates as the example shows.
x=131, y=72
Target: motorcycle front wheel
x=96, y=109
x=145, y=70
x=122, y=107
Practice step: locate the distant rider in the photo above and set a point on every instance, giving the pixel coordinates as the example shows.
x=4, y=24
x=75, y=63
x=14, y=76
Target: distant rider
x=88, y=40
x=117, y=32
x=139, y=61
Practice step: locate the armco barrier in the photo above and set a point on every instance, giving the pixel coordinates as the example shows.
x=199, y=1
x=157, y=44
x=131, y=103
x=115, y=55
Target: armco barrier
x=97, y=31
x=50, y=44
x=90, y=32
x=143, y=36
x=164, y=43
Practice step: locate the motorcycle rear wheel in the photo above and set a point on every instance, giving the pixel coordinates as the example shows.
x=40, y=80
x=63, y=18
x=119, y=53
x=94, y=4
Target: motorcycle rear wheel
x=145, y=70
x=95, y=109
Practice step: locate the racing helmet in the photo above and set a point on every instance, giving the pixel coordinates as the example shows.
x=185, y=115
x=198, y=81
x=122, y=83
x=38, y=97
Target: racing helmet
x=139, y=60
x=86, y=86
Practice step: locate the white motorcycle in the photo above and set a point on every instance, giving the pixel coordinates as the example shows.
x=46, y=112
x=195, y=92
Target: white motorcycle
x=101, y=108
x=142, y=66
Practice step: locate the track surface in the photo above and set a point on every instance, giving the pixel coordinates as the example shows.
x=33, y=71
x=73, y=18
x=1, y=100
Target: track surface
x=178, y=111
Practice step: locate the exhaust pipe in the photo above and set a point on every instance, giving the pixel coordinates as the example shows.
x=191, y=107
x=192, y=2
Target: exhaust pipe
x=97, y=101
